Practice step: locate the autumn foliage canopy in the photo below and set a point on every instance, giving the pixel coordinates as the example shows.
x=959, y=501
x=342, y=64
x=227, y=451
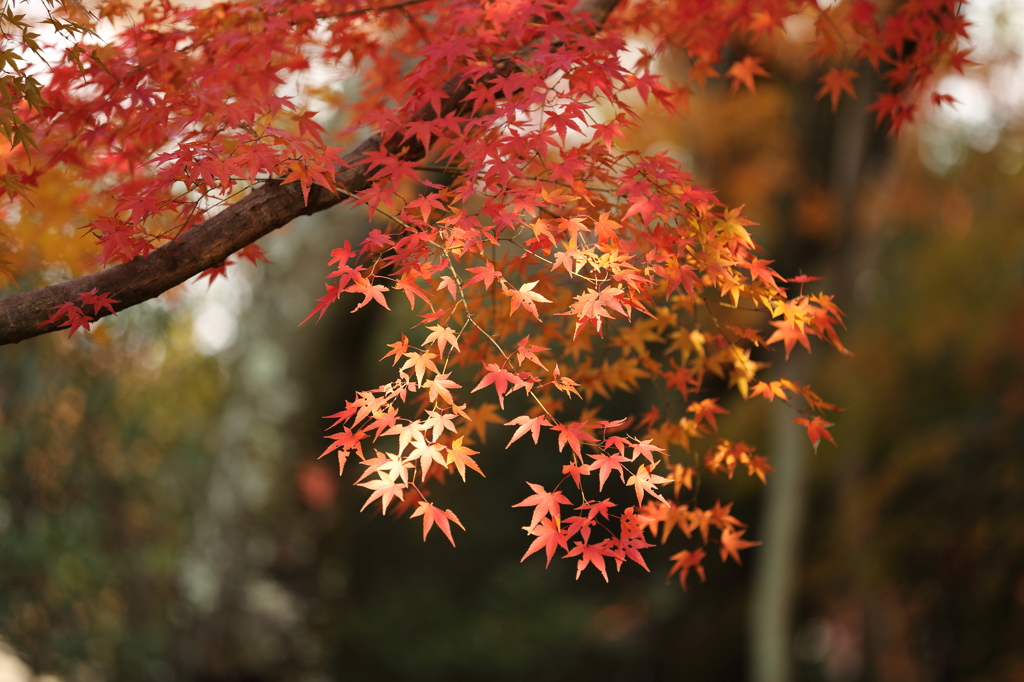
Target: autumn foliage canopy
x=549, y=268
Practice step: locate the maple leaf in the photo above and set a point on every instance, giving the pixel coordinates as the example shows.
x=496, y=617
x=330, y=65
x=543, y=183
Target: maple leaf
x=593, y=306
x=544, y=503
x=682, y=476
x=576, y=471
x=605, y=464
x=526, y=297
x=387, y=463
x=369, y=291
x=398, y=348
x=407, y=434
x=420, y=363
x=645, y=448
x=384, y=487
x=450, y=284
x=770, y=390
x=441, y=387
x=480, y=417
x=573, y=435
x=76, y=318
x=323, y=303
x=525, y=423
x=758, y=466
x=565, y=384
x=685, y=560
x=254, y=253
x=789, y=333
x=592, y=555
x=500, y=378
x=442, y=336
x=216, y=271
x=835, y=82
x=462, y=457
x=549, y=537
x=98, y=301
x=439, y=423
x=643, y=481
x=742, y=72
x=616, y=442
x=485, y=273
x=434, y=516
x=630, y=541
x=705, y=410
x=428, y=454
x=527, y=351
x=817, y=428
x=346, y=440
x=732, y=543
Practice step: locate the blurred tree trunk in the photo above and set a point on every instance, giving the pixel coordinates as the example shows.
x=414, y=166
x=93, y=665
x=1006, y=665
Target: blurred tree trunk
x=848, y=151
x=774, y=586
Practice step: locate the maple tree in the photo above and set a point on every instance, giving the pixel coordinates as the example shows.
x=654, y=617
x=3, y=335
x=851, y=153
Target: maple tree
x=551, y=269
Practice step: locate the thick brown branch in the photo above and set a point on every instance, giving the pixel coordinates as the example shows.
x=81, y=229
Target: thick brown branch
x=22, y=316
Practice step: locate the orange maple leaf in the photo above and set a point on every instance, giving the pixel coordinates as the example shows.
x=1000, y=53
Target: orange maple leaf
x=732, y=543
x=789, y=333
x=644, y=482
x=817, y=428
x=435, y=516
x=705, y=410
x=462, y=457
x=743, y=72
x=525, y=296
x=479, y=417
x=684, y=561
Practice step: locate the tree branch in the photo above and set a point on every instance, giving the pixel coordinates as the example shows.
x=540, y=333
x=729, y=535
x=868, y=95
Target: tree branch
x=211, y=242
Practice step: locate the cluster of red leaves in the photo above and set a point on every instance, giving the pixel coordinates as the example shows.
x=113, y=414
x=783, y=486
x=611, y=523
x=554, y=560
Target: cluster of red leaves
x=72, y=315
x=908, y=43
x=555, y=269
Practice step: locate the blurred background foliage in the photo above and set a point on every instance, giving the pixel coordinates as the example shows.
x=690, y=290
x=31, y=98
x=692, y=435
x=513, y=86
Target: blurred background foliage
x=163, y=515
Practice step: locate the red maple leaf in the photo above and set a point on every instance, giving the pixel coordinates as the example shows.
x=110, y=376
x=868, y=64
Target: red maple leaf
x=606, y=464
x=592, y=555
x=574, y=434
x=369, y=291
x=549, y=537
x=98, y=301
x=544, y=503
x=835, y=82
x=500, y=378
